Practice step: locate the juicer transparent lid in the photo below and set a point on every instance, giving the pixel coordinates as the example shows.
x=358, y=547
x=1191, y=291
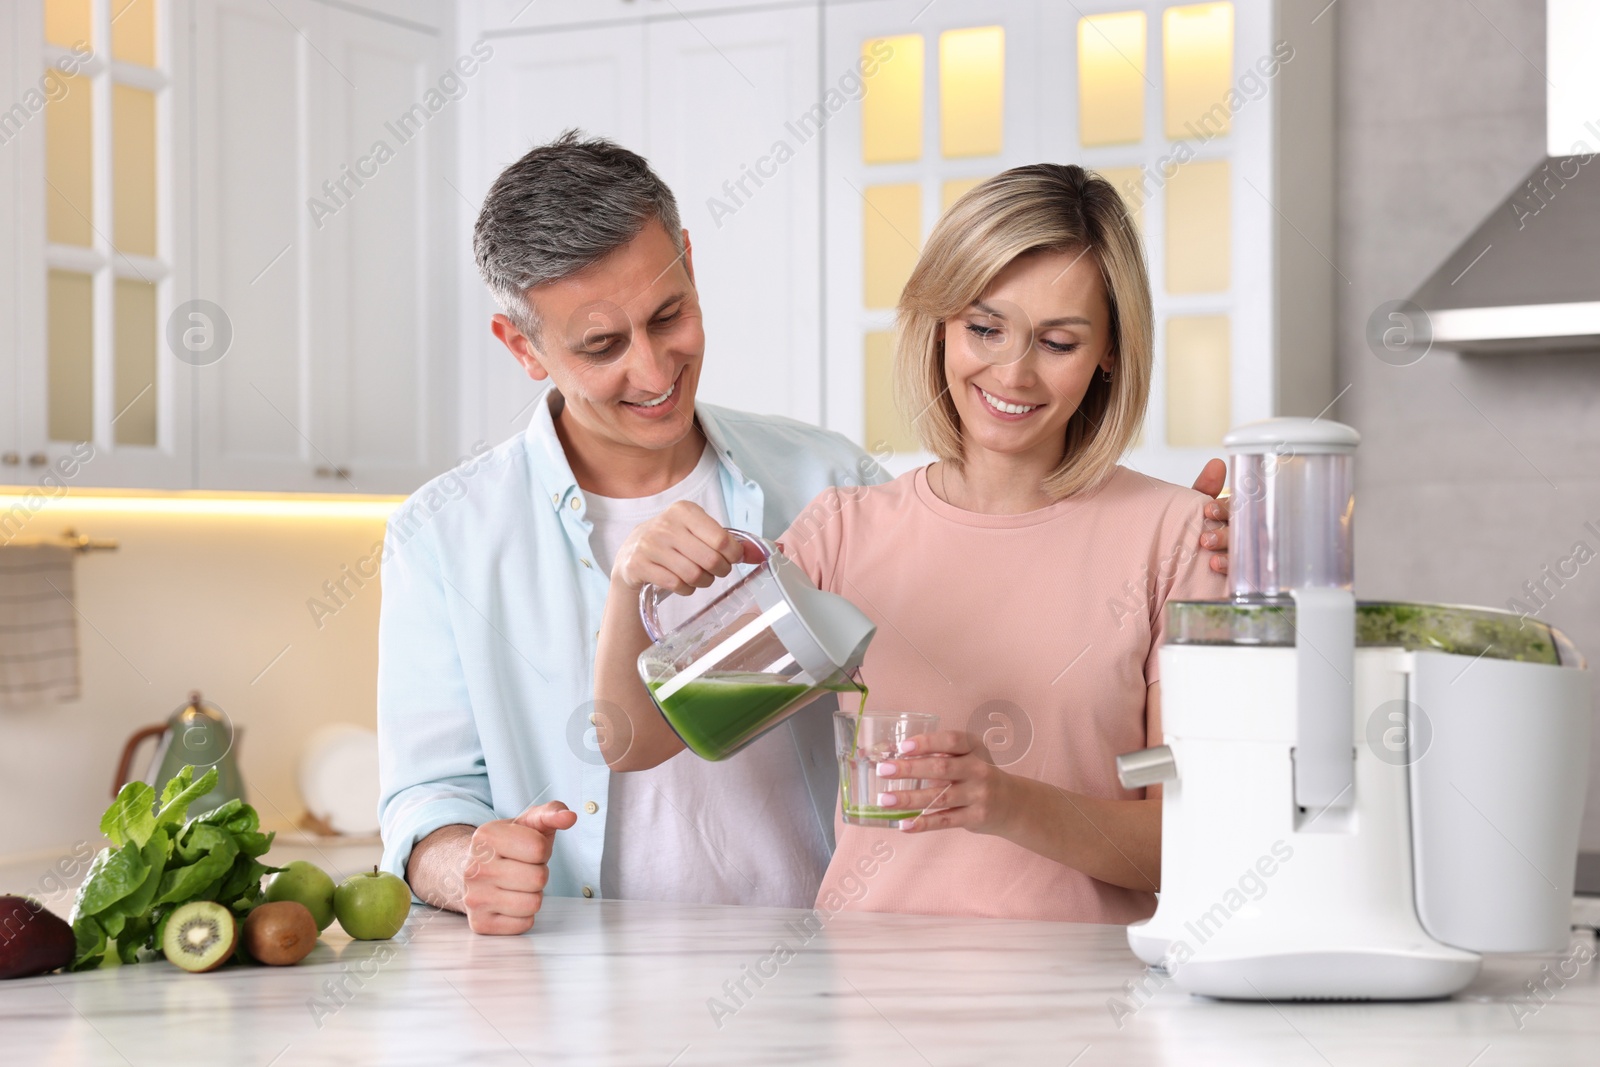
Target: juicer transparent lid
x=1450, y=628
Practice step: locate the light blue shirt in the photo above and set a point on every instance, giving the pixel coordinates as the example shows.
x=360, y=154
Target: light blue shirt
x=492, y=603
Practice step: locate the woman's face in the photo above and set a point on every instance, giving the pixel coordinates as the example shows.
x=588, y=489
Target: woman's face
x=1019, y=360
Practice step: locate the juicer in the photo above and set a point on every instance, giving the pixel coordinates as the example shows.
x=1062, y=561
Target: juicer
x=1359, y=799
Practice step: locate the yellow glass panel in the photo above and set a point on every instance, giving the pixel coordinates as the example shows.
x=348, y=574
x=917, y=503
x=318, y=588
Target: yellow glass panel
x=70, y=352
x=1199, y=227
x=1199, y=380
x=66, y=22
x=1111, y=78
x=891, y=110
x=1129, y=182
x=69, y=155
x=955, y=189
x=891, y=235
x=972, y=78
x=133, y=31
x=134, y=360
x=133, y=170
x=885, y=426
x=1197, y=70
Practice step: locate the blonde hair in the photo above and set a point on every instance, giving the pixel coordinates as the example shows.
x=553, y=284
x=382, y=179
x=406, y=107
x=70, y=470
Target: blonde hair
x=1046, y=206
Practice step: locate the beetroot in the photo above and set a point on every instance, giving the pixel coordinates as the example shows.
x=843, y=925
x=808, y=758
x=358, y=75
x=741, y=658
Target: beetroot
x=33, y=939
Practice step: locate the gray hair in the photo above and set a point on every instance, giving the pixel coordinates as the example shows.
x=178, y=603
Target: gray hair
x=560, y=208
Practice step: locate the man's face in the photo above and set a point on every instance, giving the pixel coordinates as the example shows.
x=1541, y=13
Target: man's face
x=623, y=342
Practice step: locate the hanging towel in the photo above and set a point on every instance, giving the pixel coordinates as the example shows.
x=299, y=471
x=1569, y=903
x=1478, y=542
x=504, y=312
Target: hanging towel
x=39, y=660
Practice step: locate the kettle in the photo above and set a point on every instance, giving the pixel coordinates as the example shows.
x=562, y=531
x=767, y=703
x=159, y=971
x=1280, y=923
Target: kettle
x=198, y=734
x=762, y=648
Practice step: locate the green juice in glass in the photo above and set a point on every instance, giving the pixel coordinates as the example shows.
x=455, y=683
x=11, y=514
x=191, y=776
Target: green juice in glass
x=719, y=711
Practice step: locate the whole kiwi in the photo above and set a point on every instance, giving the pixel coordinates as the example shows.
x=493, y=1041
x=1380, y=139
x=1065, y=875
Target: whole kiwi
x=280, y=933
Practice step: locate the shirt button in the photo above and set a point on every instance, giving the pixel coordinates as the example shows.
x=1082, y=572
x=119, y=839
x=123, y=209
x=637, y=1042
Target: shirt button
x=591, y=807
x=588, y=892
x=557, y=498
x=575, y=503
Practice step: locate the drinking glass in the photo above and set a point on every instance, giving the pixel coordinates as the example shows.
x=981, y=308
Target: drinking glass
x=862, y=741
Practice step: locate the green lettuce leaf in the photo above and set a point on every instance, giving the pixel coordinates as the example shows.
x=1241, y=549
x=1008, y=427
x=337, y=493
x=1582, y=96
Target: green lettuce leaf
x=132, y=816
x=190, y=882
x=114, y=874
x=135, y=936
x=89, y=939
x=182, y=791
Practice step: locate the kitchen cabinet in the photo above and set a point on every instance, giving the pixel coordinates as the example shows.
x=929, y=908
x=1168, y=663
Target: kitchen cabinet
x=706, y=98
x=323, y=214
x=92, y=171
x=1214, y=121
x=284, y=305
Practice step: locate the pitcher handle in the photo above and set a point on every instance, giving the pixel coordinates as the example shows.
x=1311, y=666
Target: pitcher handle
x=650, y=596
x=125, y=764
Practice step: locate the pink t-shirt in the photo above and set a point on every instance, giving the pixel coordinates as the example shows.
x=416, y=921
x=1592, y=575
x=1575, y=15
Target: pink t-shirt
x=1037, y=632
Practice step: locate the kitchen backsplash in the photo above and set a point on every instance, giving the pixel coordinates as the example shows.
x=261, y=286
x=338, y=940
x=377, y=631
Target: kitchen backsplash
x=273, y=617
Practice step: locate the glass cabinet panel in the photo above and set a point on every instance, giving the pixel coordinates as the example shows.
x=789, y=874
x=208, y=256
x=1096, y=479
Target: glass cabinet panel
x=133, y=170
x=972, y=76
x=1199, y=228
x=1197, y=70
x=68, y=167
x=1111, y=78
x=133, y=32
x=891, y=234
x=1199, y=380
x=70, y=314
x=134, y=363
x=891, y=110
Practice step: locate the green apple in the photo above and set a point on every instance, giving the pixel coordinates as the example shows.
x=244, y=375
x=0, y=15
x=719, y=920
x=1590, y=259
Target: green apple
x=304, y=883
x=372, y=906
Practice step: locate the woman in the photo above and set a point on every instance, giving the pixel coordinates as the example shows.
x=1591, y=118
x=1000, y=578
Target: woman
x=1017, y=583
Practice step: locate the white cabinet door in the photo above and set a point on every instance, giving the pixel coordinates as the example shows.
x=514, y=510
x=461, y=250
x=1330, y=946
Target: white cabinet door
x=253, y=418
x=725, y=126
x=382, y=128
x=534, y=87
x=321, y=208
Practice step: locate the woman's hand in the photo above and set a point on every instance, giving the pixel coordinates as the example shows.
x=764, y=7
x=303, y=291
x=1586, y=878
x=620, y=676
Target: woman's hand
x=680, y=550
x=966, y=789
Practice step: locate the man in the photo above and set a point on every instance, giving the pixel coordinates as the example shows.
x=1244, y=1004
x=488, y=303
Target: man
x=492, y=600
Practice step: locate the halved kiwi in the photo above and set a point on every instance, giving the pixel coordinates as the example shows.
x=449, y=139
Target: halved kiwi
x=199, y=936
x=280, y=933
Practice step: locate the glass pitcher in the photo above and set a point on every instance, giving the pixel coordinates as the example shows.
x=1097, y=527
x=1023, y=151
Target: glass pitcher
x=762, y=648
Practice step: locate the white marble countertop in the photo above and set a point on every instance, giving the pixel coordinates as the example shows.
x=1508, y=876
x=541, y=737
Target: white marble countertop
x=617, y=982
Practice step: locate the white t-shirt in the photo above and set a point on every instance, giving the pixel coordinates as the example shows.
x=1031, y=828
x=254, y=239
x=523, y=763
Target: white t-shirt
x=739, y=831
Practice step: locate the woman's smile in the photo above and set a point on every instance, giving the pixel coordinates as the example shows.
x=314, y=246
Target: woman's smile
x=1003, y=407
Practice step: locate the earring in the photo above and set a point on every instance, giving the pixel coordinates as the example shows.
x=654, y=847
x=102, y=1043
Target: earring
x=1105, y=375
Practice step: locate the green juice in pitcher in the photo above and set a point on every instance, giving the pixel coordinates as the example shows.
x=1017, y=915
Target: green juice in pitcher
x=719, y=711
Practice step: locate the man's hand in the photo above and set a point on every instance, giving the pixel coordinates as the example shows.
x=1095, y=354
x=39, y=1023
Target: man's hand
x=506, y=869
x=1215, y=538
x=680, y=550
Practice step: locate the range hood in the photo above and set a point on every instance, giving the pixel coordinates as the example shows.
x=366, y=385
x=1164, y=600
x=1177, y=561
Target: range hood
x=1528, y=278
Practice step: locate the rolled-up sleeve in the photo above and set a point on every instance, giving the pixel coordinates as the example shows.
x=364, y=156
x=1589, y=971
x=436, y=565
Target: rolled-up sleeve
x=430, y=754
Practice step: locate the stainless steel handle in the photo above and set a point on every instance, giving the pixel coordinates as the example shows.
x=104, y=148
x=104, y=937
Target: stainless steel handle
x=333, y=472
x=11, y=459
x=37, y=459
x=1146, y=767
